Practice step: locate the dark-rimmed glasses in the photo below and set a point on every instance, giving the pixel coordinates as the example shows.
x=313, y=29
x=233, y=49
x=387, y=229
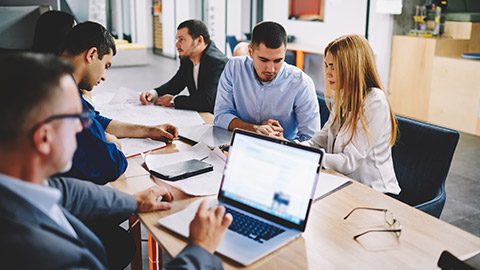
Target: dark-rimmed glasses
x=84, y=117
x=390, y=220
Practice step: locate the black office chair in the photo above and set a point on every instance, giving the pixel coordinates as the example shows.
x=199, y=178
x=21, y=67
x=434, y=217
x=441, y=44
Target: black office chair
x=422, y=158
x=232, y=42
x=324, y=112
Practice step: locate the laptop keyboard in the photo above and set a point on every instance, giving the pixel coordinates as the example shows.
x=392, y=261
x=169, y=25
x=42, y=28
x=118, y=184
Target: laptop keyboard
x=252, y=228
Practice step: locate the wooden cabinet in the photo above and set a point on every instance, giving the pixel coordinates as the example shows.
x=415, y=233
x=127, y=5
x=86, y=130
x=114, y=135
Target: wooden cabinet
x=429, y=80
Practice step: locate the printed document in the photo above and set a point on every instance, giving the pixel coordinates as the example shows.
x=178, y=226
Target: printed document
x=125, y=106
x=199, y=185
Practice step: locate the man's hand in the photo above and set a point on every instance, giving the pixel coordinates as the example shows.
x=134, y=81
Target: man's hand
x=209, y=225
x=146, y=98
x=165, y=132
x=274, y=124
x=113, y=139
x=270, y=128
x=153, y=198
x=165, y=100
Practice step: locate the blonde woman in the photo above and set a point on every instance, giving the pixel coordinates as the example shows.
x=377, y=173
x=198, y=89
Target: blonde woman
x=362, y=128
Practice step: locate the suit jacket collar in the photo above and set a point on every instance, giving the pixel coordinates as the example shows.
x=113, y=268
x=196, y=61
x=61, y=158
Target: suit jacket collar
x=18, y=208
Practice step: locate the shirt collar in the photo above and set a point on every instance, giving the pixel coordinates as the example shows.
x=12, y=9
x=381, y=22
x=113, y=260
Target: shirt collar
x=41, y=196
x=271, y=83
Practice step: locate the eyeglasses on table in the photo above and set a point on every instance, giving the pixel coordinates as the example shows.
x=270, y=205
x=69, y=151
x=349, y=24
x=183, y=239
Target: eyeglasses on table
x=390, y=220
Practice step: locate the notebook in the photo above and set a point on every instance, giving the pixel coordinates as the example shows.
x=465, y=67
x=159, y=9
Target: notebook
x=268, y=186
x=208, y=134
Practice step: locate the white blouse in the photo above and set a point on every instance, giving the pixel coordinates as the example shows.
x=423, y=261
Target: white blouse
x=365, y=159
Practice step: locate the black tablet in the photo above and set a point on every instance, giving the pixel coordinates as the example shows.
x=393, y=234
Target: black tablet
x=181, y=170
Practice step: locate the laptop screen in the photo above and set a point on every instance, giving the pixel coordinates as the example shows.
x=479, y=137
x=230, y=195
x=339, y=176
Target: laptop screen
x=273, y=176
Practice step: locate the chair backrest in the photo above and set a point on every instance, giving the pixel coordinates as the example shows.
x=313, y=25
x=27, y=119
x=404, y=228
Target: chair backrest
x=324, y=112
x=17, y=25
x=421, y=158
x=232, y=42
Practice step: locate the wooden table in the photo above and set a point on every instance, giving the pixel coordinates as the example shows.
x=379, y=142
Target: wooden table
x=328, y=240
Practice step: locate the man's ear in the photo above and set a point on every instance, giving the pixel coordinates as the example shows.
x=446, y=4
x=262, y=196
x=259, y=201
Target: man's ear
x=91, y=54
x=42, y=139
x=201, y=40
x=250, y=50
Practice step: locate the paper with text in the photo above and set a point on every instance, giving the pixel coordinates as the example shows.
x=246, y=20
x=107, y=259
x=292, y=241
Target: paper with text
x=125, y=106
x=199, y=185
x=135, y=146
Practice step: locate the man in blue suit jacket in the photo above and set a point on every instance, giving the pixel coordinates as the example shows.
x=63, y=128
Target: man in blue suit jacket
x=41, y=218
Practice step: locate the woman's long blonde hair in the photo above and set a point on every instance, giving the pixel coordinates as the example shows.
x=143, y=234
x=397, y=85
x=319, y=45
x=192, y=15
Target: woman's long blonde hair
x=356, y=73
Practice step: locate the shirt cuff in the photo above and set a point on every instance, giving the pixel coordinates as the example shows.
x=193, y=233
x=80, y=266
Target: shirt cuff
x=154, y=93
x=224, y=121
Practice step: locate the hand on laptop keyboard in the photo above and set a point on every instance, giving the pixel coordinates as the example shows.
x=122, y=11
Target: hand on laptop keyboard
x=209, y=225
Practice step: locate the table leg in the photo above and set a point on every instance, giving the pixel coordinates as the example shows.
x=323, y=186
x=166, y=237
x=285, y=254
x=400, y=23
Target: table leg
x=135, y=228
x=154, y=254
x=300, y=59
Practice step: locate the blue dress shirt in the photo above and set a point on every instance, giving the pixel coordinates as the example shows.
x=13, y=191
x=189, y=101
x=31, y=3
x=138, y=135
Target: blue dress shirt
x=44, y=198
x=96, y=159
x=289, y=98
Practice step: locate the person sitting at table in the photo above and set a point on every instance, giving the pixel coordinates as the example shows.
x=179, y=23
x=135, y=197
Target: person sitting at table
x=262, y=93
x=50, y=31
x=42, y=218
x=241, y=49
x=361, y=130
x=90, y=48
x=201, y=64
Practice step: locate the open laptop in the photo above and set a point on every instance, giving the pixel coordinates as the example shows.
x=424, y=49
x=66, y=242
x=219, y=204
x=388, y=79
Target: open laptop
x=268, y=185
x=208, y=134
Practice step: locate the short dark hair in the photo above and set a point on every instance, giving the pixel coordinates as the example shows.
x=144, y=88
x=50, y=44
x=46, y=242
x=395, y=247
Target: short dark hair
x=50, y=31
x=196, y=28
x=27, y=82
x=87, y=35
x=272, y=34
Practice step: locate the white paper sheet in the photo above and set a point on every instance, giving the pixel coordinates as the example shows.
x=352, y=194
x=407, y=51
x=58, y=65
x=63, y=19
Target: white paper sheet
x=125, y=106
x=135, y=146
x=200, y=185
x=329, y=183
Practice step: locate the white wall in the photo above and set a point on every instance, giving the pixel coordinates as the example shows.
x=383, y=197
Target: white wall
x=215, y=11
x=168, y=27
x=341, y=17
x=234, y=18
x=380, y=37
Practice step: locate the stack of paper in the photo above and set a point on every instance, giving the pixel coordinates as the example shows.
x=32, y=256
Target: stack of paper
x=199, y=185
x=125, y=106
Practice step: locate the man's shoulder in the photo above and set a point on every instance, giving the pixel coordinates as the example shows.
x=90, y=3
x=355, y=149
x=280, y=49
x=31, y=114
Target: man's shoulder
x=240, y=61
x=296, y=76
x=214, y=54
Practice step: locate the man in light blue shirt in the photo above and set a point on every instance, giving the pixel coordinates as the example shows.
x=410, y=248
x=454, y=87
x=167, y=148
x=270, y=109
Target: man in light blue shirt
x=261, y=93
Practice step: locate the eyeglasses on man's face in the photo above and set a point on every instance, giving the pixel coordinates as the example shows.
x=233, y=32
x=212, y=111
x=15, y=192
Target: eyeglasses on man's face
x=392, y=224
x=84, y=117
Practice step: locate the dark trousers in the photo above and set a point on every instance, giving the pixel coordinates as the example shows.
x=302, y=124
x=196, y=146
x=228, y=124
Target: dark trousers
x=119, y=244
